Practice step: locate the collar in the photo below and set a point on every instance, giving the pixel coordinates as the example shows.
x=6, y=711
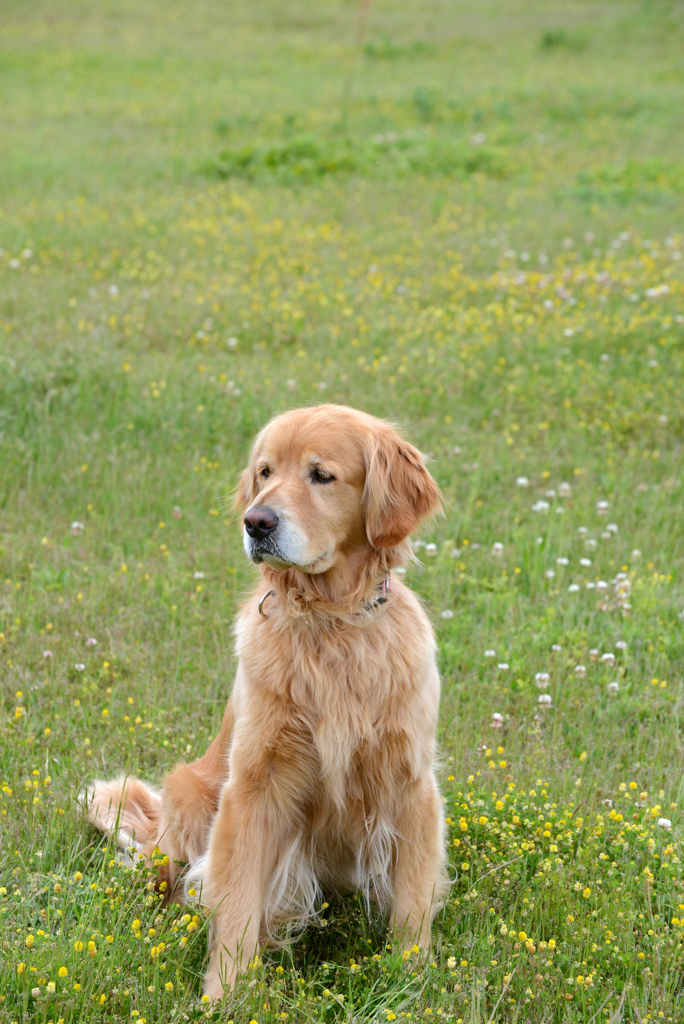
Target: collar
x=380, y=597
x=383, y=588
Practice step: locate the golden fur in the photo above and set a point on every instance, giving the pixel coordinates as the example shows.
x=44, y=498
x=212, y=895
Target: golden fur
x=321, y=776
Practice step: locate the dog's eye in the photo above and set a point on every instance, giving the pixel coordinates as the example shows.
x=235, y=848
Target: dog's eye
x=319, y=476
x=265, y=472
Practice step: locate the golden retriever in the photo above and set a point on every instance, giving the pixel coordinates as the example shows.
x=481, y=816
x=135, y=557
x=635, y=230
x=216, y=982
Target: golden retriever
x=321, y=776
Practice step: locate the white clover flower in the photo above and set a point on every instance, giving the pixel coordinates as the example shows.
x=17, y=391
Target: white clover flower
x=562, y=561
x=612, y=528
x=417, y=544
x=585, y=562
x=497, y=549
x=290, y=384
x=497, y=720
x=622, y=584
x=399, y=571
x=602, y=508
x=608, y=657
x=545, y=700
x=91, y=642
x=606, y=535
x=590, y=586
x=79, y=667
x=621, y=645
x=113, y=289
x=455, y=552
x=602, y=586
x=541, y=506
x=556, y=648
x=522, y=481
x=591, y=544
x=613, y=687
x=551, y=493
x=542, y=679
x=47, y=654
x=198, y=575
x=447, y=613
x=594, y=653
x=664, y=822
x=636, y=553
x=430, y=549
x=77, y=527
x=232, y=342
x=560, y=510
x=549, y=574
x=582, y=530
x=503, y=666
x=573, y=588
x=564, y=490
x=489, y=653
x=580, y=670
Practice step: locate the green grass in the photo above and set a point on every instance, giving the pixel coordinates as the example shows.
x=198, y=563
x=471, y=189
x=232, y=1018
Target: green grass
x=466, y=218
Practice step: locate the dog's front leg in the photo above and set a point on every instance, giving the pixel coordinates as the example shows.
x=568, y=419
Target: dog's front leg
x=247, y=837
x=420, y=882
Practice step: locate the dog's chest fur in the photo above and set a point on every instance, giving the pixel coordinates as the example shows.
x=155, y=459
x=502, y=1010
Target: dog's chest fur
x=363, y=698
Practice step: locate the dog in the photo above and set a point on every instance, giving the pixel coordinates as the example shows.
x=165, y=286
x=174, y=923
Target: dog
x=322, y=774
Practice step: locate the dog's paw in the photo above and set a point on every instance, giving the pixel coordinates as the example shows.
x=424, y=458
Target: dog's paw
x=214, y=987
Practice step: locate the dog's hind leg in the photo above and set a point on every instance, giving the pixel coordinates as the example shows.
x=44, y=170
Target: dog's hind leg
x=171, y=828
x=191, y=796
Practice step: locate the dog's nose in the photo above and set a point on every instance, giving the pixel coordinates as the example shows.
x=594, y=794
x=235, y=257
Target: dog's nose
x=260, y=521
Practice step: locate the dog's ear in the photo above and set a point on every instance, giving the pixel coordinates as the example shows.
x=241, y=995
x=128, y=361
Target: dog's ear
x=399, y=491
x=248, y=485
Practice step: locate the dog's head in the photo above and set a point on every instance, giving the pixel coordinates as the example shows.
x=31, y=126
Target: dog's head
x=328, y=482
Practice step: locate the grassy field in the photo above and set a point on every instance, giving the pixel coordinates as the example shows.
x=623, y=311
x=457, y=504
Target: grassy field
x=467, y=218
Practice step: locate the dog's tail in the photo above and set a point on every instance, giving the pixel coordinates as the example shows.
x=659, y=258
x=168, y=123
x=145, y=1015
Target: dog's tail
x=125, y=808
